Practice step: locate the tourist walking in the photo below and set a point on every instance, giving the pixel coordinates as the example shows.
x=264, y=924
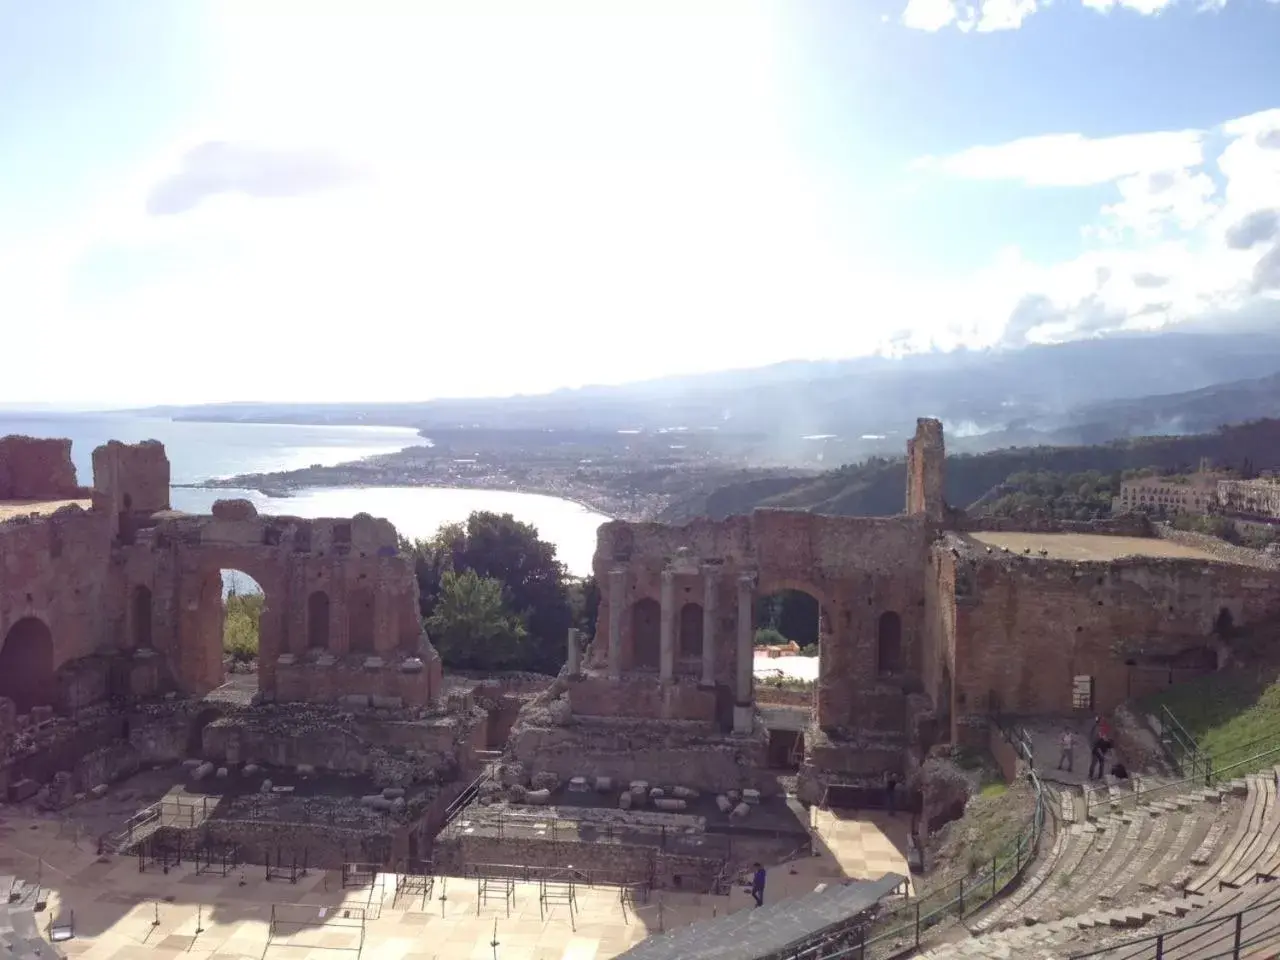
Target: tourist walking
x=891, y=793
x=757, y=885
x=1067, y=759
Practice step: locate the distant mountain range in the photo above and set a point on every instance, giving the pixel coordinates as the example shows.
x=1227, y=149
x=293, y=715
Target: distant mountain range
x=1086, y=391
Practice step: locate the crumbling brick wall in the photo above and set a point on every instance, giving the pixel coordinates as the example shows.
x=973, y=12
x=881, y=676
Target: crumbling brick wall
x=37, y=469
x=1026, y=626
x=926, y=471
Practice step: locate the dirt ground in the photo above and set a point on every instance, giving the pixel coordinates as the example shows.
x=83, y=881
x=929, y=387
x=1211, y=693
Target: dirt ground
x=1089, y=546
x=991, y=821
x=22, y=508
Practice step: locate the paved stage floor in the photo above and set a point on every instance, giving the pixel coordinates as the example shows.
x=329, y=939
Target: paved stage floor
x=203, y=917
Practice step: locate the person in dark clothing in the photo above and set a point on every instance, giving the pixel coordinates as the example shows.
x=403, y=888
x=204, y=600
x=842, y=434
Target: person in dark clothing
x=891, y=794
x=757, y=885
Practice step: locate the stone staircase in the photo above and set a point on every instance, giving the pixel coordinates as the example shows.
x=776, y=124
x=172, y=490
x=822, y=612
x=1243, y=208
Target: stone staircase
x=1186, y=857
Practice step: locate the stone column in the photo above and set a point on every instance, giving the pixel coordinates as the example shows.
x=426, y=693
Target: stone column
x=667, y=637
x=710, y=581
x=573, y=651
x=743, y=709
x=617, y=600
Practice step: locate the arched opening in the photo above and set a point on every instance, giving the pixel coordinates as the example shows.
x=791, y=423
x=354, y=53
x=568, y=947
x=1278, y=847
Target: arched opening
x=26, y=665
x=141, y=617
x=690, y=642
x=318, y=620
x=889, y=643
x=243, y=603
x=360, y=631
x=646, y=634
x=788, y=625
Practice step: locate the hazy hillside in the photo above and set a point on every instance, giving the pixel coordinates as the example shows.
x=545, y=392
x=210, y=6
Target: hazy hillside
x=868, y=405
x=877, y=487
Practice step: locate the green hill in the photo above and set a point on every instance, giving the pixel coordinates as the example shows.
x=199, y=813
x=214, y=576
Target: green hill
x=876, y=487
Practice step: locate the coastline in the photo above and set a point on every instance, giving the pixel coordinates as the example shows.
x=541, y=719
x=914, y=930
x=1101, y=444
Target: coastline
x=592, y=502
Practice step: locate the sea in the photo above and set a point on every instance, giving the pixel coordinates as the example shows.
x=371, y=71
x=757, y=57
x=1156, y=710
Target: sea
x=204, y=451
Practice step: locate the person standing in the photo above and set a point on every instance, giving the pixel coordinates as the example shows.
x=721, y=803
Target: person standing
x=1067, y=759
x=757, y=885
x=891, y=793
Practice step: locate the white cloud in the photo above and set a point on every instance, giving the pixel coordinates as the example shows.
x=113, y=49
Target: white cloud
x=1072, y=159
x=1174, y=245
x=986, y=16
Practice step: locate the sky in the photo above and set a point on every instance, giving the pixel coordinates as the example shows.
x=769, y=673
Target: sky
x=392, y=201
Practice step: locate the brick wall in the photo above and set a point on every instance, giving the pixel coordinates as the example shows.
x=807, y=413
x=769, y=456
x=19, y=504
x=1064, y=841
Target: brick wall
x=37, y=469
x=1027, y=626
x=641, y=696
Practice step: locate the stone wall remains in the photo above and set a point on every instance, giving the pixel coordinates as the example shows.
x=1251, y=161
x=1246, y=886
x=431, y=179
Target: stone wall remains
x=37, y=469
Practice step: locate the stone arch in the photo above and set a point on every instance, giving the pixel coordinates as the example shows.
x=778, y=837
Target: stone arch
x=690, y=627
x=141, y=613
x=646, y=634
x=26, y=665
x=889, y=643
x=318, y=620
x=360, y=621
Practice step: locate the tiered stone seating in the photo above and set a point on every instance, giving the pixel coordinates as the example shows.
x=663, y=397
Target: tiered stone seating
x=1254, y=848
x=1117, y=858
x=20, y=937
x=1211, y=861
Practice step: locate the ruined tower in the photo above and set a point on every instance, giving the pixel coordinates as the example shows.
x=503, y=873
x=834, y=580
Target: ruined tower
x=926, y=464
x=131, y=482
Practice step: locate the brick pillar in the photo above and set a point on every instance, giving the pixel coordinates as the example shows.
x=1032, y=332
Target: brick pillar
x=617, y=600
x=710, y=581
x=667, y=637
x=743, y=709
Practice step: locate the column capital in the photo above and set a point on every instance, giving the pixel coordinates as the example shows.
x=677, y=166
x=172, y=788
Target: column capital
x=668, y=575
x=747, y=580
x=711, y=570
x=618, y=572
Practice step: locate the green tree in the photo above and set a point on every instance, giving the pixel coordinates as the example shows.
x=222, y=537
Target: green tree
x=584, y=601
x=535, y=584
x=471, y=625
x=241, y=613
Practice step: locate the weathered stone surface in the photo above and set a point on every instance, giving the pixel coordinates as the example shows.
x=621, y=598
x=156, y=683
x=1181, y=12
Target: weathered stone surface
x=684, y=793
x=538, y=797
x=724, y=803
x=741, y=810
x=234, y=510
x=669, y=804
x=202, y=771
x=625, y=800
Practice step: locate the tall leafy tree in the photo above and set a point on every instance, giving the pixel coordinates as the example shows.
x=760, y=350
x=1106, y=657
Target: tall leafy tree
x=499, y=547
x=471, y=625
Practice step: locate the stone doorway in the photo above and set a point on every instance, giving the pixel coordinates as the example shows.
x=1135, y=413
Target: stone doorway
x=243, y=604
x=26, y=665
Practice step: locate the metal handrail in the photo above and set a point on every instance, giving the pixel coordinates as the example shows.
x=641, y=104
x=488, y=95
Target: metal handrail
x=962, y=898
x=1159, y=940
x=1138, y=796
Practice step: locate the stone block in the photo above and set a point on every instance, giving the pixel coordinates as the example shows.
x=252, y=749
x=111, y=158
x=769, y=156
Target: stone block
x=604, y=784
x=191, y=763
x=751, y=796
x=41, y=715
x=684, y=793
x=657, y=793
x=640, y=787
x=286, y=660
x=250, y=769
x=221, y=773
x=393, y=793
x=304, y=770
x=373, y=663
x=100, y=790
x=266, y=787
x=724, y=803
x=670, y=804
x=538, y=797
x=625, y=800
x=412, y=665
x=545, y=780
x=741, y=810
x=202, y=771
x=357, y=701
x=578, y=785
x=386, y=703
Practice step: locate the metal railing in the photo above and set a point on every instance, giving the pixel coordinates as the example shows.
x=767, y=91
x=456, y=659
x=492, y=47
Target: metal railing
x=1218, y=937
x=901, y=928
x=1216, y=774
x=1183, y=750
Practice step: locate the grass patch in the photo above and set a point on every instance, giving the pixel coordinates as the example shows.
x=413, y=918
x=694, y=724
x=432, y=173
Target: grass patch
x=1227, y=712
x=995, y=789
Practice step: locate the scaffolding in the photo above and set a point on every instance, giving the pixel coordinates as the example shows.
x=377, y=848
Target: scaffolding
x=552, y=891
x=488, y=888
x=314, y=927
x=291, y=868
x=217, y=859
x=415, y=883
